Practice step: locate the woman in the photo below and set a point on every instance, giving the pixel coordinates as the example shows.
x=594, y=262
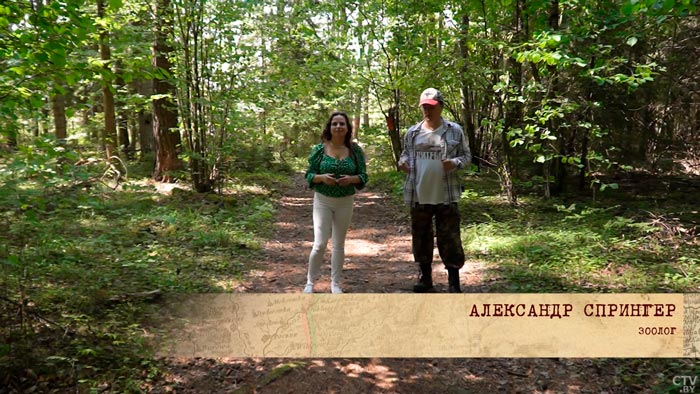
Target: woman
x=336, y=169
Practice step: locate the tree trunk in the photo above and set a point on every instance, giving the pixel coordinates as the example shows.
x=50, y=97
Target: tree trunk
x=357, y=114
x=145, y=130
x=122, y=117
x=36, y=127
x=584, y=161
x=165, y=134
x=392, y=123
x=144, y=119
x=133, y=130
x=58, y=105
x=109, y=136
x=123, y=128
x=467, y=104
x=513, y=109
x=11, y=135
x=559, y=169
x=195, y=57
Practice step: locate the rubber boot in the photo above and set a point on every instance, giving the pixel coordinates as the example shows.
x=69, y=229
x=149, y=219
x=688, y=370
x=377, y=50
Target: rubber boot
x=425, y=282
x=453, y=280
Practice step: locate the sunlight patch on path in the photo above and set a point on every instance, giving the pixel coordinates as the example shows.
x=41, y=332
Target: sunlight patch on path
x=297, y=201
x=391, y=247
x=292, y=225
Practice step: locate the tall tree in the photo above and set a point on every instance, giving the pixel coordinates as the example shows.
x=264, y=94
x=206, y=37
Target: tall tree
x=467, y=102
x=109, y=136
x=513, y=111
x=166, y=135
x=122, y=120
x=191, y=17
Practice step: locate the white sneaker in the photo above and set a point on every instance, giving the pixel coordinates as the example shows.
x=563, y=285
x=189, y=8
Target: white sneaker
x=335, y=289
x=309, y=288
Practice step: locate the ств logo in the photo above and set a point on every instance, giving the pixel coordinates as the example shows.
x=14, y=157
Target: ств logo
x=685, y=383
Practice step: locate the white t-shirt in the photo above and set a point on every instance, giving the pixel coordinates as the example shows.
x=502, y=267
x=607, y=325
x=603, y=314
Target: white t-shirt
x=430, y=151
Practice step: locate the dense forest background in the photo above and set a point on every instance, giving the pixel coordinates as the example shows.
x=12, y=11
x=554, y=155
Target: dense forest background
x=546, y=90
x=583, y=115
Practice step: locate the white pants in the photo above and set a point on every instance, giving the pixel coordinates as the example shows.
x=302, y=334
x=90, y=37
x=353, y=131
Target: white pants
x=332, y=217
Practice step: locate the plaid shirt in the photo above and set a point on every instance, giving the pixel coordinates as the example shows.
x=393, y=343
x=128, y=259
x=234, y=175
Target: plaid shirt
x=457, y=150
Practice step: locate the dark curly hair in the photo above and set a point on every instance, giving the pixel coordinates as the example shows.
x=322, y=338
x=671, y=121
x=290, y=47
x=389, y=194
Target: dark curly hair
x=326, y=134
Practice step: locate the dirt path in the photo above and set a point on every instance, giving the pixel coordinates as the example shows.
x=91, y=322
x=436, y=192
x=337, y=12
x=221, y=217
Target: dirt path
x=378, y=249
x=378, y=260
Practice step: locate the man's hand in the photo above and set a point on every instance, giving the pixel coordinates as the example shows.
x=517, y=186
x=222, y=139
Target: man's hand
x=404, y=167
x=448, y=165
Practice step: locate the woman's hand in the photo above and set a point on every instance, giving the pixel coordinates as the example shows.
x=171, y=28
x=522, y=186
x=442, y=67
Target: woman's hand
x=327, y=179
x=346, y=180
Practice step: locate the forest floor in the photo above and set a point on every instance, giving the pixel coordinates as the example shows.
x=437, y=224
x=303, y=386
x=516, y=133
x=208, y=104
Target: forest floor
x=378, y=260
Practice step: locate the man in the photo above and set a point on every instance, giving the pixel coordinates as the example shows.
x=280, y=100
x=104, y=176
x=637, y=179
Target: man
x=433, y=151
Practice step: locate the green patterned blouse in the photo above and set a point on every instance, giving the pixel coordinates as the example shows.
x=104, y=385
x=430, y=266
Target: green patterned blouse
x=320, y=163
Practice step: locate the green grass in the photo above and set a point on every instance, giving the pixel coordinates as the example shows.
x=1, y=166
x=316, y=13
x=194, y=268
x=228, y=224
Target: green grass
x=72, y=246
x=575, y=244
x=549, y=246
x=70, y=254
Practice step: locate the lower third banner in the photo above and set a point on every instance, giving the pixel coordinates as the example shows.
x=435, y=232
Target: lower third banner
x=432, y=325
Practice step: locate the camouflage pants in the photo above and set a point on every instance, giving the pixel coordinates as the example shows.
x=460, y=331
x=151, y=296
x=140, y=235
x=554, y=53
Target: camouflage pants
x=449, y=241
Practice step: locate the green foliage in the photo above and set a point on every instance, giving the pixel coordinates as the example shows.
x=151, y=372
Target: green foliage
x=607, y=89
x=390, y=182
x=577, y=247
x=259, y=78
x=39, y=50
x=75, y=251
x=379, y=155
